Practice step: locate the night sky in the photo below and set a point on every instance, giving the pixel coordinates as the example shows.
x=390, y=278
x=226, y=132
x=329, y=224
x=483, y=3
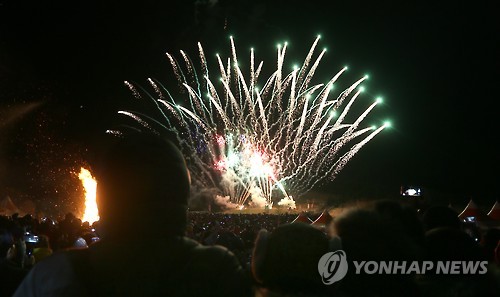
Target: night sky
x=62, y=67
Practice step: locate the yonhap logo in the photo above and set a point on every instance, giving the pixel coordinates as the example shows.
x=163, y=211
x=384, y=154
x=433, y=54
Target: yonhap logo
x=332, y=267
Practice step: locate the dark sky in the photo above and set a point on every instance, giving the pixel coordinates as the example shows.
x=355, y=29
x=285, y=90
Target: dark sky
x=62, y=67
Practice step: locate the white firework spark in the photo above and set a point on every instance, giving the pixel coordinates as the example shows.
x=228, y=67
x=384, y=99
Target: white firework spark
x=258, y=143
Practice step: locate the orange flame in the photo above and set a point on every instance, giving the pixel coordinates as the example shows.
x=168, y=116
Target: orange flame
x=89, y=183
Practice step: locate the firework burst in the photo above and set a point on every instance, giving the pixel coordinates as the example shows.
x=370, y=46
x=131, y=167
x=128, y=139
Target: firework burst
x=253, y=144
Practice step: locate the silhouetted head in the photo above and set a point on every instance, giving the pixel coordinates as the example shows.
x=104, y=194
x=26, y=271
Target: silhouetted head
x=447, y=243
x=6, y=243
x=440, y=216
x=401, y=216
x=378, y=234
x=489, y=242
x=142, y=187
x=286, y=260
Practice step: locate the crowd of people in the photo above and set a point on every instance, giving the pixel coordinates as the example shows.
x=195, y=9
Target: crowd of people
x=37, y=238
x=153, y=246
x=383, y=230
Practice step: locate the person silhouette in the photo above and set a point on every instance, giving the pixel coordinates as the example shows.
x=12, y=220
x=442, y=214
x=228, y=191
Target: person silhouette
x=143, y=186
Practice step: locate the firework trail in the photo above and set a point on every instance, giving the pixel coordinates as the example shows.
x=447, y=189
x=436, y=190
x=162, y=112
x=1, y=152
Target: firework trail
x=251, y=143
